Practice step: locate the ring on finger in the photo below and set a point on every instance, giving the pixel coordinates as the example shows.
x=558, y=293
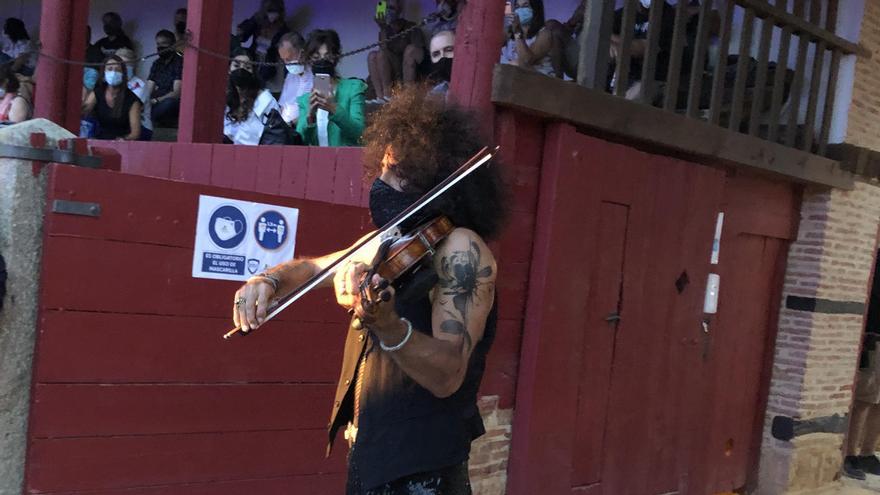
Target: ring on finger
x=240, y=301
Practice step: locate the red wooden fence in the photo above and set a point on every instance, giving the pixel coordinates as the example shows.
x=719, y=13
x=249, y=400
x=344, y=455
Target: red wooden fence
x=134, y=386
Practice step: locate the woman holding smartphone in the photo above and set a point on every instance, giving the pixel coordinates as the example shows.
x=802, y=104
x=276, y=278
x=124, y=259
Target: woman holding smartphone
x=335, y=106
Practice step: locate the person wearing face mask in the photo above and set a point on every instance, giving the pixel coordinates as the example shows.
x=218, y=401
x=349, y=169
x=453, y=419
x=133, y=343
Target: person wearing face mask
x=406, y=399
x=247, y=105
x=116, y=109
x=639, y=46
x=399, y=59
x=14, y=107
x=442, y=50
x=115, y=37
x=163, y=83
x=266, y=28
x=17, y=44
x=299, y=79
x=528, y=43
x=139, y=87
x=241, y=59
x=333, y=116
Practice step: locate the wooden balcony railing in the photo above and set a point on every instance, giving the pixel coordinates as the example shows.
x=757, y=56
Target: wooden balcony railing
x=756, y=92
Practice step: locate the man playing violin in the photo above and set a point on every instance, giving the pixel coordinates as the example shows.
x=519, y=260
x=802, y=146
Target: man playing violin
x=407, y=393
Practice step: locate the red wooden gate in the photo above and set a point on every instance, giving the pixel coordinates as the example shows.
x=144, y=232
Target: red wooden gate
x=129, y=349
x=646, y=400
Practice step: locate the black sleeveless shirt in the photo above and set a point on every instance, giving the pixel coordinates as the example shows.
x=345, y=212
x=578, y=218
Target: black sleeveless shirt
x=110, y=126
x=403, y=428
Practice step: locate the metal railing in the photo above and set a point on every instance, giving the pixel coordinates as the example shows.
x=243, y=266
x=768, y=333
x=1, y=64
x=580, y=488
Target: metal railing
x=757, y=91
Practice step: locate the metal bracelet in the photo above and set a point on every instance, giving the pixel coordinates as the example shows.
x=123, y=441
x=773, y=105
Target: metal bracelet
x=273, y=280
x=409, y=332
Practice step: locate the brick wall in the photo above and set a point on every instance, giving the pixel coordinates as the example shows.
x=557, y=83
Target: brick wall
x=820, y=329
x=863, y=126
x=488, y=463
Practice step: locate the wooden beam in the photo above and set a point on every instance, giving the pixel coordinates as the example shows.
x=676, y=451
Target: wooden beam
x=63, y=35
x=718, y=78
x=739, y=83
x=781, y=18
x=203, y=91
x=760, y=77
x=526, y=91
x=624, y=55
x=477, y=41
x=698, y=65
x=594, y=40
x=670, y=100
x=649, y=61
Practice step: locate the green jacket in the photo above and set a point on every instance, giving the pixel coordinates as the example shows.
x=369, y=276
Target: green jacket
x=346, y=125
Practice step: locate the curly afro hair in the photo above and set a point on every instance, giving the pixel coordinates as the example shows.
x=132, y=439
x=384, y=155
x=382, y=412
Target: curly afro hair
x=430, y=139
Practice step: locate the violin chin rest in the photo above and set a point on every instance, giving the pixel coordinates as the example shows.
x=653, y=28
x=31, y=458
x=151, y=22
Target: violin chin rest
x=417, y=285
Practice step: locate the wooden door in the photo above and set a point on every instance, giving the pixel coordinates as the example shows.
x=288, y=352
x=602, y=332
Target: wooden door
x=653, y=402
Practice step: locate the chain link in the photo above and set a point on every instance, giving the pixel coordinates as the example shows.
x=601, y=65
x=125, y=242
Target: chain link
x=224, y=56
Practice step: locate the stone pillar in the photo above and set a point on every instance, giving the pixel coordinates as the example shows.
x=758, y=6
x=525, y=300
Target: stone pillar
x=819, y=339
x=22, y=198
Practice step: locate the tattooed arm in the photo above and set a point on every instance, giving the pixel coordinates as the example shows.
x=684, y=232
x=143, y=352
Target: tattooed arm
x=461, y=303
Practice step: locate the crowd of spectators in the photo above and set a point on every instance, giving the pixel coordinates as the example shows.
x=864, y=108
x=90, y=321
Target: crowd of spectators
x=278, y=77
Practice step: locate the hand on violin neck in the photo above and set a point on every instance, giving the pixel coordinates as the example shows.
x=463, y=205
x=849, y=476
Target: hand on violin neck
x=374, y=306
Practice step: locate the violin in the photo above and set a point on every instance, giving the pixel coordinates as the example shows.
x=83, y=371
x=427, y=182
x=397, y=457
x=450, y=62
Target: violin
x=406, y=256
x=404, y=263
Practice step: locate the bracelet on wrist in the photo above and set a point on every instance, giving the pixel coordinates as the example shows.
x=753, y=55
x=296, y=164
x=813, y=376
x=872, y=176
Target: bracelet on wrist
x=409, y=332
x=270, y=279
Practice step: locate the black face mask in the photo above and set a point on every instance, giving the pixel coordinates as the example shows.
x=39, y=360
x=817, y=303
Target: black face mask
x=166, y=53
x=180, y=26
x=110, y=30
x=387, y=202
x=441, y=70
x=324, y=66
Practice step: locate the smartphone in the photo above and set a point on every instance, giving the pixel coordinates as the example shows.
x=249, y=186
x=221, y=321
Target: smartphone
x=381, y=9
x=322, y=84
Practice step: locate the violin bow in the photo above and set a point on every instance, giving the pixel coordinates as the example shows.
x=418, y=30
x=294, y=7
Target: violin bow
x=481, y=158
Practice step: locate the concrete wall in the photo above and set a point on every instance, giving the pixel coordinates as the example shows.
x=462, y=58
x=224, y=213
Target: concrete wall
x=22, y=196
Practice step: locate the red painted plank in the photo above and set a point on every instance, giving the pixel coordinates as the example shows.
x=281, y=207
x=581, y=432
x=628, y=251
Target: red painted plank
x=107, y=410
x=154, y=159
x=597, y=344
x=124, y=348
x=348, y=182
x=131, y=212
x=156, y=280
x=522, y=184
x=322, y=170
x=136, y=461
x=246, y=163
x=516, y=240
x=294, y=171
x=285, y=485
x=540, y=459
x=225, y=172
x=191, y=162
x=268, y=169
x=502, y=363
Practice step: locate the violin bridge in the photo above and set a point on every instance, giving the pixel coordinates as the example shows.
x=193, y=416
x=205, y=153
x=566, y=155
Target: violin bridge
x=427, y=244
